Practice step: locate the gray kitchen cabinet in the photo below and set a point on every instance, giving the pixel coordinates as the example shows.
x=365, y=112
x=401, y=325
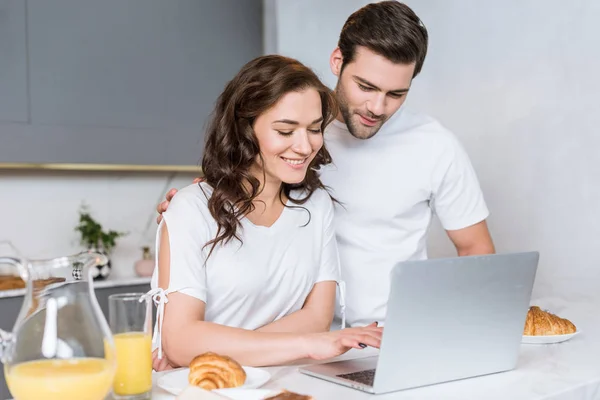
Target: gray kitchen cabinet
x=10, y=307
x=13, y=62
x=123, y=81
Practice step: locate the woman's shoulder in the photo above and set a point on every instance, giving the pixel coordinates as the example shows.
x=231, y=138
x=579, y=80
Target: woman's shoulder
x=191, y=199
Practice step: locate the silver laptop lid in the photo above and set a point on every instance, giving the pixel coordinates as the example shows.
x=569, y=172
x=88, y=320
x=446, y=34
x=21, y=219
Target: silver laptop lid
x=454, y=318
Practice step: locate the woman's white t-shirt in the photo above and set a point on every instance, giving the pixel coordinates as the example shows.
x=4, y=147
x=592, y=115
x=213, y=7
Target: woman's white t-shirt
x=250, y=284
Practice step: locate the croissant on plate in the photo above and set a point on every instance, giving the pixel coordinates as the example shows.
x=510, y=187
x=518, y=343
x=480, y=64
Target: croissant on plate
x=285, y=395
x=213, y=371
x=543, y=323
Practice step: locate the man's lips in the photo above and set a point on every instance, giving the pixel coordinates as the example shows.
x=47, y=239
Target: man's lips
x=368, y=121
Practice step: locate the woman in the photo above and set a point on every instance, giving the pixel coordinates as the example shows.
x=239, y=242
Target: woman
x=247, y=259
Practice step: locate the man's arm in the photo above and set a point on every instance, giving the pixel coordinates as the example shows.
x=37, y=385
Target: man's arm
x=472, y=240
x=458, y=201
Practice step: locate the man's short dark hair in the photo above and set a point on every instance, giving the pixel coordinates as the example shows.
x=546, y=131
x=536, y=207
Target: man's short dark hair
x=388, y=28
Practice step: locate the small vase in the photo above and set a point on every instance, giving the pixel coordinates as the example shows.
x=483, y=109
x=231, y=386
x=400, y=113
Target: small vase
x=100, y=271
x=145, y=266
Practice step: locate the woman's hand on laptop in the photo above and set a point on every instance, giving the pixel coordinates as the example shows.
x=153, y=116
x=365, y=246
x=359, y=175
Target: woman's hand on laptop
x=326, y=345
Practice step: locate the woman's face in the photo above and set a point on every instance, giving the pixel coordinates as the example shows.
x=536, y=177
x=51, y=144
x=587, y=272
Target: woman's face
x=289, y=136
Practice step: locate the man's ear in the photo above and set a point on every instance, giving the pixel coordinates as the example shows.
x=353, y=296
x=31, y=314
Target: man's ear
x=335, y=62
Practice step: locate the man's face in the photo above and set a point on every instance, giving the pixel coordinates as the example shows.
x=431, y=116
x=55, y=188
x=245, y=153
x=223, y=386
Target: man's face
x=370, y=90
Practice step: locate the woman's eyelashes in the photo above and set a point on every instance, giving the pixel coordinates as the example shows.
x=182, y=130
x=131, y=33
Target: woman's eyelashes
x=285, y=133
x=289, y=133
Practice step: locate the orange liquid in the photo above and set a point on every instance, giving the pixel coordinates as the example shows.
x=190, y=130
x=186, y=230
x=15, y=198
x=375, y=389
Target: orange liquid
x=134, y=363
x=69, y=379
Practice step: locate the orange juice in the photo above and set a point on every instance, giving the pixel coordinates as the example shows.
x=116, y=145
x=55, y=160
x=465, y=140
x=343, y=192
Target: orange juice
x=134, y=363
x=69, y=379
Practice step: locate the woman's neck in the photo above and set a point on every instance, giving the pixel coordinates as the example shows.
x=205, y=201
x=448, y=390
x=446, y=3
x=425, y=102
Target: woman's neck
x=269, y=189
x=269, y=203
x=269, y=193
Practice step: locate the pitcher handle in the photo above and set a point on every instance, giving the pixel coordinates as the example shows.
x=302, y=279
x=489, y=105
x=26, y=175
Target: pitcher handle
x=5, y=343
x=18, y=263
x=6, y=338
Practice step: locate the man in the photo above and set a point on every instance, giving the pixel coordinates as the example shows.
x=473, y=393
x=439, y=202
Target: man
x=392, y=168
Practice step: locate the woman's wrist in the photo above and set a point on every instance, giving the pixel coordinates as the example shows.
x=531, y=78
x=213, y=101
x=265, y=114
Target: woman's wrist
x=303, y=343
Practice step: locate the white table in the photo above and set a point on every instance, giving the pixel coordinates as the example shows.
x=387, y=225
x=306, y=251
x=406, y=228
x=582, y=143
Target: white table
x=569, y=370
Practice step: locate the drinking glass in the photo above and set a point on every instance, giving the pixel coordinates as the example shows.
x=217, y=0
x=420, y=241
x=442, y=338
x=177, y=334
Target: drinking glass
x=130, y=319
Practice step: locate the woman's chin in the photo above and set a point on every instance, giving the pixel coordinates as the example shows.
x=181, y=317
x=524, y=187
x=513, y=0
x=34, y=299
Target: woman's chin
x=293, y=179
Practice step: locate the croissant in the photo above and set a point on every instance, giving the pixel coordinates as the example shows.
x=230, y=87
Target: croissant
x=285, y=395
x=213, y=371
x=543, y=323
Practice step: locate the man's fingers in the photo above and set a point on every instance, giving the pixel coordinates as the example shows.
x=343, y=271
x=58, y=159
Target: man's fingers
x=162, y=206
x=170, y=195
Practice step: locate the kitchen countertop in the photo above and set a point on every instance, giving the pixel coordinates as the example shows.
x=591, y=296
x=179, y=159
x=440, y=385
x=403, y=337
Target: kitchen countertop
x=568, y=370
x=111, y=281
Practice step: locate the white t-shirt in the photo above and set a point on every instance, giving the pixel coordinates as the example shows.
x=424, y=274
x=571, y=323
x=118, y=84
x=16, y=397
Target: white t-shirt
x=390, y=185
x=255, y=283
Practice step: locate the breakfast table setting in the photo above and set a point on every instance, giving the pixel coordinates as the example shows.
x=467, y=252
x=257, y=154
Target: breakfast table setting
x=549, y=369
x=558, y=358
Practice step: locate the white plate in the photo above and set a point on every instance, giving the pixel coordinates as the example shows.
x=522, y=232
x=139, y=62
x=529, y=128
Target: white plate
x=246, y=394
x=175, y=382
x=547, y=339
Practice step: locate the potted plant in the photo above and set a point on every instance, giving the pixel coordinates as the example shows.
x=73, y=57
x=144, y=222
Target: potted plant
x=97, y=240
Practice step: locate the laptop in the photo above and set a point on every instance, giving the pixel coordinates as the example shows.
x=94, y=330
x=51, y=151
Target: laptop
x=447, y=319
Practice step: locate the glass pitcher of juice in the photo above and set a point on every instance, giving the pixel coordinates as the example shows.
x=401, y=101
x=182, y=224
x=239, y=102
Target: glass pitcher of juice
x=61, y=347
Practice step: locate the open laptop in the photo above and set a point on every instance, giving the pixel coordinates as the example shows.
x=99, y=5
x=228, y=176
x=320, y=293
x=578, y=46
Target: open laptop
x=447, y=319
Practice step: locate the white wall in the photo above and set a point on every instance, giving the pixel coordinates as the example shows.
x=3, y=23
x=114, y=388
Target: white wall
x=518, y=82
x=40, y=210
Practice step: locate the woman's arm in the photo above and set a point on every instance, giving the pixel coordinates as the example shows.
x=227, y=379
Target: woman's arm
x=316, y=314
x=185, y=334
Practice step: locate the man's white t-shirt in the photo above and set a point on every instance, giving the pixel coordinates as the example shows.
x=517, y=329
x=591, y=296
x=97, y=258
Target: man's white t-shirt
x=390, y=185
x=255, y=283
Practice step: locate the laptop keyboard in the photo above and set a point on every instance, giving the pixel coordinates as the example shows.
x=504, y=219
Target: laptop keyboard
x=365, y=377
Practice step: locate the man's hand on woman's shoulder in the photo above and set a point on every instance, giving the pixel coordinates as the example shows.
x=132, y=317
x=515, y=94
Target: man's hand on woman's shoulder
x=162, y=207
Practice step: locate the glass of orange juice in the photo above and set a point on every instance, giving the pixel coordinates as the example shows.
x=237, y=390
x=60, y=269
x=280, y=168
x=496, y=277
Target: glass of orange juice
x=130, y=319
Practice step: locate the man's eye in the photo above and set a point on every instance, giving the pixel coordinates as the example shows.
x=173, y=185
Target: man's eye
x=364, y=88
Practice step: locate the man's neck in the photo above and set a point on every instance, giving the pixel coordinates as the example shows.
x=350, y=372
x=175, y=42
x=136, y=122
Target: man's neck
x=339, y=115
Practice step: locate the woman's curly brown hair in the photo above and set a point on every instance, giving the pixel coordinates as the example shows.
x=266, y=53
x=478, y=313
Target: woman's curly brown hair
x=232, y=148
